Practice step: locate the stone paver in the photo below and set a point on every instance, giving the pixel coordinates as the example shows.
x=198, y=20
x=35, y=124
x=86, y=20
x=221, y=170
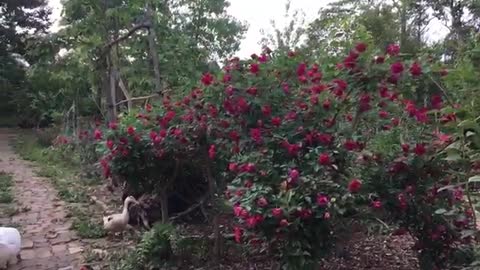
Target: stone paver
x=47, y=242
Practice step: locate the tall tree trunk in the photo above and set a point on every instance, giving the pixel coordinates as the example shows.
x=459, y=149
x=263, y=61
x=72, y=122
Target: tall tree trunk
x=152, y=44
x=403, y=24
x=108, y=93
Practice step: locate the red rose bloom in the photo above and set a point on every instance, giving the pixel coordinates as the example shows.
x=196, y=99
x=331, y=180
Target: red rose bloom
x=324, y=159
x=207, y=79
x=420, y=149
x=361, y=47
x=393, y=49
x=397, y=68
x=211, y=152
x=377, y=204
x=276, y=121
x=416, y=69
x=238, y=234
x=354, y=185
x=322, y=200
x=254, y=68
x=109, y=144
x=113, y=125
x=266, y=110
x=277, y=212
x=262, y=202
x=97, y=134
x=256, y=135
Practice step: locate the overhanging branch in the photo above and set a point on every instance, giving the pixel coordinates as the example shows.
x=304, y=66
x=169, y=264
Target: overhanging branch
x=127, y=35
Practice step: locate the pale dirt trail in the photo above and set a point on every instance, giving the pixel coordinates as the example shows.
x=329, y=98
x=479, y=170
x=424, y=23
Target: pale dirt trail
x=47, y=241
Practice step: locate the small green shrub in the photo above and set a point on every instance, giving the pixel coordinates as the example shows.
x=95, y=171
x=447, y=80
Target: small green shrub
x=46, y=136
x=153, y=251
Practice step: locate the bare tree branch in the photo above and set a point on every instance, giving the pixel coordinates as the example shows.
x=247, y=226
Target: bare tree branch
x=127, y=35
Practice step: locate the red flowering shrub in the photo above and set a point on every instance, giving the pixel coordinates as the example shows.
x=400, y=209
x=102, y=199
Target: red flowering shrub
x=306, y=145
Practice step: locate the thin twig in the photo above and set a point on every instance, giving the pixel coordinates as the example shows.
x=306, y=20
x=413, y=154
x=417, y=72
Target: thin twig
x=443, y=91
x=191, y=208
x=136, y=98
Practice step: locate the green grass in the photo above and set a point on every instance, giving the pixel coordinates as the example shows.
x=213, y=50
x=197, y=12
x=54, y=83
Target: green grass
x=6, y=182
x=84, y=225
x=7, y=209
x=64, y=173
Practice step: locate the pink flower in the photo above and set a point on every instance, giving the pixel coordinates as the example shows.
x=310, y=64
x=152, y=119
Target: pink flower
x=252, y=91
x=305, y=213
x=254, y=221
x=458, y=194
x=351, y=145
x=377, y=204
x=301, y=69
x=237, y=210
x=232, y=167
x=276, y=121
x=294, y=174
x=112, y=125
x=249, y=168
x=340, y=84
x=283, y=223
x=354, y=185
x=393, y=49
x=256, y=135
x=266, y=110
x=207, y=79
x=397, y=68
x=97, y=134
x=277, y=212
x=234, y=135
x=109, y=144
x=148, y=107
x=211, y=152
x=322, y=200
x=226, y=78
x=262, y=202
x=420, y=149
x=380, y=59
x=324, y=159
x=263, y=58
x=238, y=232
x=416, y=69
x=254, y=68
x=361, y=47
x=436, y=101
x=383, y=114
x=326, y=104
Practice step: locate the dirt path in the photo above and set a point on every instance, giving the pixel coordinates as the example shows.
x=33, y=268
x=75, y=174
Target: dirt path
x=47, y=241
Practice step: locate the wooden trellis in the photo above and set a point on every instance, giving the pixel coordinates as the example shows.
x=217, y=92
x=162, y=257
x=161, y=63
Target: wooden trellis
x=113, y=77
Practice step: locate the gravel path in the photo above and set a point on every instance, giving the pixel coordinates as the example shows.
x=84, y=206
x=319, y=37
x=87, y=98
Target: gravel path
x=47, y=241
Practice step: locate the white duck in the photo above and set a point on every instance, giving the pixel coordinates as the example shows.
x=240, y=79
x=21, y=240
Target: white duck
x=10, y=245
x=118, y=222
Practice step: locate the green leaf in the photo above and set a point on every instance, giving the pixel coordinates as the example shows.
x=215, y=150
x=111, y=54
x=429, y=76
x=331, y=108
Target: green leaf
x=440, y=211
x=453, y=154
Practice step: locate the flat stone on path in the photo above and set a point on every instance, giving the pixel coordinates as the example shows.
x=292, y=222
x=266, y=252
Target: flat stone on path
x=47, y=242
